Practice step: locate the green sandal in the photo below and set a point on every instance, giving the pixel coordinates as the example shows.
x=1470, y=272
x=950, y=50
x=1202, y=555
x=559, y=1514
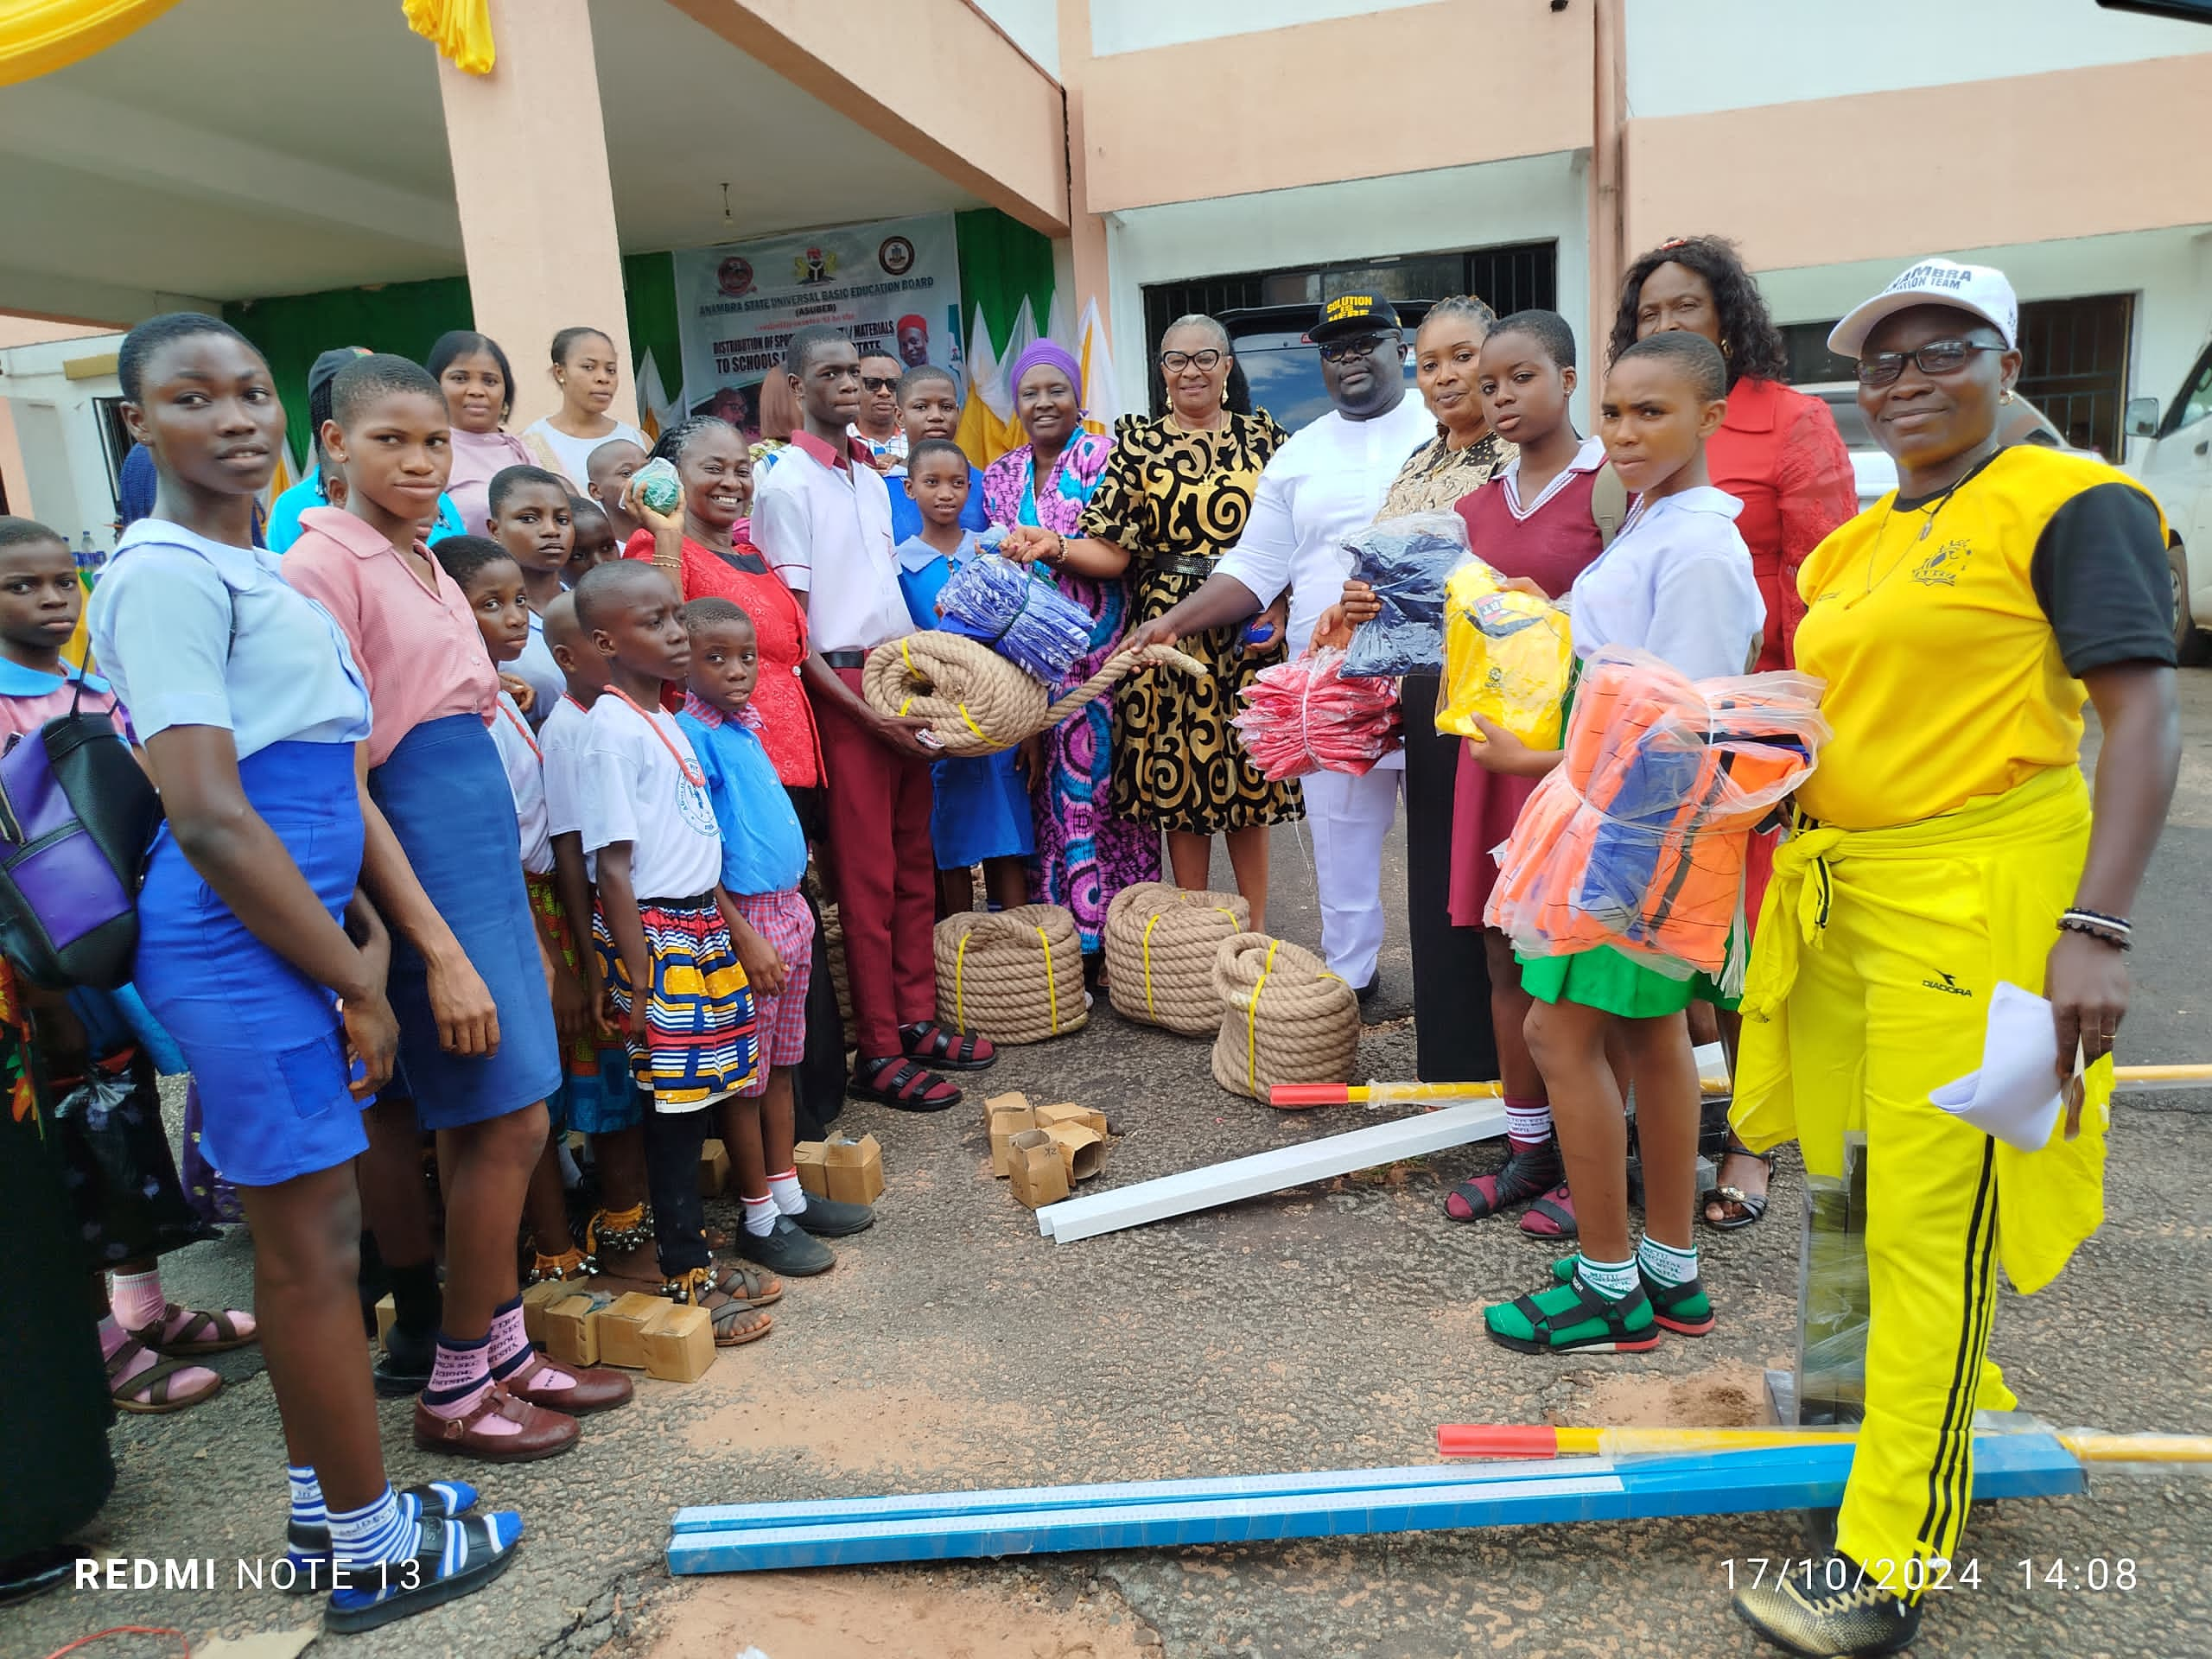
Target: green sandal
x=1684, y=1309
x=1572, y=1317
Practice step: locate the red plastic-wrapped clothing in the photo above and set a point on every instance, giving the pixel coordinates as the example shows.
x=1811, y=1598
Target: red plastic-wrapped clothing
x=1303, y=716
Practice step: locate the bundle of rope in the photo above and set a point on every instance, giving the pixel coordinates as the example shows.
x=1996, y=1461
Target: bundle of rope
x=1286, y=1018
x=833, y=935
x=1160, y=942
x=975, y=701
x=1014, y=976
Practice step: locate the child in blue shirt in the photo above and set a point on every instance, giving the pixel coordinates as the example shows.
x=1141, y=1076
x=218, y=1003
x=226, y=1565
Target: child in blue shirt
x=764, y=858
x=981, y=814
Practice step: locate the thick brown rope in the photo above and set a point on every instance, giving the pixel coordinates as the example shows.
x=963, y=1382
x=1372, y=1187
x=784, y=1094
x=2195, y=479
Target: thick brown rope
x=975, y=701
x=1286, y=1018
x=1015, y=975
x=1160, y=942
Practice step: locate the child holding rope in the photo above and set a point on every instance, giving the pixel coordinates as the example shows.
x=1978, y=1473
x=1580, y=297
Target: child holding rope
x=764, y=858
x=1677, y=583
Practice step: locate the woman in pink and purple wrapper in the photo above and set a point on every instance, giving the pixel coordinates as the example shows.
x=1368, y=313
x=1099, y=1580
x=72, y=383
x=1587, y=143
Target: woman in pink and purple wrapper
x=1085, y=853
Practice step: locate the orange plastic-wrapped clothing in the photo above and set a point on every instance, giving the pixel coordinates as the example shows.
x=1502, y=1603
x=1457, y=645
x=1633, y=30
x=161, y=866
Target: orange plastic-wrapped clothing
x=1637, y=839
x=1507, y=656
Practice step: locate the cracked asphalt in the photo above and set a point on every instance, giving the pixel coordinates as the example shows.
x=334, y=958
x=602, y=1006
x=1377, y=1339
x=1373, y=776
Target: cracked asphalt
x=1327, y=1327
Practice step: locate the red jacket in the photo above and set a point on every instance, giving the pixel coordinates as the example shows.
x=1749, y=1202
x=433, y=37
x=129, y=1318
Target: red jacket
x=1779, y=453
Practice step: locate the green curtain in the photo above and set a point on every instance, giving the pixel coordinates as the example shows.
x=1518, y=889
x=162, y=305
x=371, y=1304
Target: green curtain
x=649, y=293
x=1002, y=263
x=294, y=329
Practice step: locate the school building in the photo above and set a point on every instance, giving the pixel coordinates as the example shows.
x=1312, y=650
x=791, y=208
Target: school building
x=323, y=176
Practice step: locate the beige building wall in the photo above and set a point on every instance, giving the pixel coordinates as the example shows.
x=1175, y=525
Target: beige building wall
x=25, y=330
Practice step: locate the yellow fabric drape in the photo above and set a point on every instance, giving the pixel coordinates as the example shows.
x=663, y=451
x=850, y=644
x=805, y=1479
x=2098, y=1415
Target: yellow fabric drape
x=462, y=30
x=38, y=36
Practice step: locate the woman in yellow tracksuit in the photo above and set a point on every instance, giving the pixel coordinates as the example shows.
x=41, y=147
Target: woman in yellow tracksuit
x=1946, y=843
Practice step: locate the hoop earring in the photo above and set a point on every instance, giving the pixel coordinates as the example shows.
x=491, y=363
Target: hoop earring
x=2005, y=395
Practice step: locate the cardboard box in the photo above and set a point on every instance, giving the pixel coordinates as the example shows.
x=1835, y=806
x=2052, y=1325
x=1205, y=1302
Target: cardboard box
x=813, y=1177
x=1068, y=1112
x=622, y=1327
x=572, y=1327
x=855, y=1169
x=714, y=1170
x=1007, y=1122
x=1038, y=1173
x=537, y=1300
x=680, y=1343
x=1013, y=1101
x=1083, y=1149
x=387, y=1316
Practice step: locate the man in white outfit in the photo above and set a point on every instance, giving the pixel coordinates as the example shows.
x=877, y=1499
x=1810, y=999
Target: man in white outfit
x=1323, y=484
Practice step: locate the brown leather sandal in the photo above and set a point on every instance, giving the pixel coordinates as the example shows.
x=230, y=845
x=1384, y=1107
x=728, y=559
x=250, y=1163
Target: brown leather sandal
x=152, y=1383
x=544, y=1433
x=734, y=1324
x=166, y=1335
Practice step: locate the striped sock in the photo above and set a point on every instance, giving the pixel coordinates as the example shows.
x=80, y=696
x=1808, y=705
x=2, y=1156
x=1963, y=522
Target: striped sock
x=507, y=1344
x=790, y=1196
x=380, y=1532
x=1665, y=1265
x=307, y=1497
x=460, y=1378
x=1611, y=1280
x=1528, y=1122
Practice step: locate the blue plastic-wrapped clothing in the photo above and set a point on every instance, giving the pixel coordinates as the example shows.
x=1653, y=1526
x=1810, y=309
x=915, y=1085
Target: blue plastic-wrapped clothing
x=1407, y=561
x=1019, y=612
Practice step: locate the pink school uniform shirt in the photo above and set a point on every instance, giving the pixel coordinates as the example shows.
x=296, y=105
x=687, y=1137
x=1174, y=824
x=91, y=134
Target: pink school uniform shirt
x=417, y=647
x=29, y=698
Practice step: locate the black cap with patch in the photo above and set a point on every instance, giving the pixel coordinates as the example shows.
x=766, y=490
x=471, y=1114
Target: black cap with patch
x=1353, y=314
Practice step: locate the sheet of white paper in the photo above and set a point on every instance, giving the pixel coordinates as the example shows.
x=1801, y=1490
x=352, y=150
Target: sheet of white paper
x=2015, y=1095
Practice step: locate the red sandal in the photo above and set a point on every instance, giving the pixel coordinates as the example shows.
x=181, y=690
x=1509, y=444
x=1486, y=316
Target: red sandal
x=902, y=1085
x=945, y=1047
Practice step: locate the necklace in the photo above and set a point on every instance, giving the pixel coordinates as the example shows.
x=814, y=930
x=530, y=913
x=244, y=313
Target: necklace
x=515, y=720
x=694, y=773
x=1928, y=515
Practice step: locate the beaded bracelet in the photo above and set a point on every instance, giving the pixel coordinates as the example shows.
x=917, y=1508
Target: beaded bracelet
x=2119, y=923
x=2070, y=923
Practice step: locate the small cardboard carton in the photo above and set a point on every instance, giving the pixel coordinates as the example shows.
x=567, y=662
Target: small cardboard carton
x=680, y=1343
x=807, y=1157
x=1082, y=1149
x=1068, y=1112
x=537, y=1300
x=1013, y=1101
x=1038, y=1173
x=855, y=1169
x=1007, y=1122
x=387, y=1315
x=622, y=1328
x=713, y=1169
x=572, y=1327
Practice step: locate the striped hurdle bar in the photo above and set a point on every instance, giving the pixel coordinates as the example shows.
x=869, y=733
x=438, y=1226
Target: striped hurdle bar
x=955, y=1526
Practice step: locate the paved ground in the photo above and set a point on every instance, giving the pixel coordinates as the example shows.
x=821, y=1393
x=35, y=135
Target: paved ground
x=1323, y=1328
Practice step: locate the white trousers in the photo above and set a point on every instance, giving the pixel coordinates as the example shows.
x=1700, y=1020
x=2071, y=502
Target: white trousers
x=1350, y=816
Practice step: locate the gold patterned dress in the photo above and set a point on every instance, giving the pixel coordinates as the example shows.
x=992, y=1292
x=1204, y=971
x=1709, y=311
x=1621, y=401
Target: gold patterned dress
x=1177, y=500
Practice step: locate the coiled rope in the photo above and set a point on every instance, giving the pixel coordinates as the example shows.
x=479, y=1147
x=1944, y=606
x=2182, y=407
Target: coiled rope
x=1287, y=1019
x=1015, y=975
x=975, y=701
x=1160, y=942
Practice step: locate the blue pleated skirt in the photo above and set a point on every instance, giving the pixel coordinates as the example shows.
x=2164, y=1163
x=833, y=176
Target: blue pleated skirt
x=261, y=1038
x=447, y=799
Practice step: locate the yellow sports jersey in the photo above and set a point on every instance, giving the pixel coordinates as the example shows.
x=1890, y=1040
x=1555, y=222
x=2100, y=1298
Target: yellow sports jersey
x=1951, y=632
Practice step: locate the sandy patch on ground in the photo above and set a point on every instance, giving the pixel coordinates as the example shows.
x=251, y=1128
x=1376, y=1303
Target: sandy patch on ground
x=885, y=1614
x=1731, y=1396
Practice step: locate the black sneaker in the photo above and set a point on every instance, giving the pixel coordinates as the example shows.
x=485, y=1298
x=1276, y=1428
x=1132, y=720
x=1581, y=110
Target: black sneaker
x=828, y=1218
x=404, y=1363
x=1860, y=1618
x=785, y=1250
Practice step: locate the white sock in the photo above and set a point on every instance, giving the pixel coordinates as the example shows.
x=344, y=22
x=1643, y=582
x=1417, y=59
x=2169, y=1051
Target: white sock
x=790, y=1196
x=760, y=1217
x=1611, y=1280
x=136, y=1298
x=571, y=1177
x=1665, y=1265
x=1529, y=1121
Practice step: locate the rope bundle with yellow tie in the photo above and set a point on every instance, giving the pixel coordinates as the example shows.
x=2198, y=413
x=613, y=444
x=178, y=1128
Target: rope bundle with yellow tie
x=975, y=701
x=1160, y=942
x=1285, y=1017
x=1014, y=976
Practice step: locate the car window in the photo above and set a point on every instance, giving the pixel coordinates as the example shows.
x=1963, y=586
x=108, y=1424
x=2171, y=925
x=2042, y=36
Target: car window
x=1284, y=373
x=2196, y=403
x=1850, y=421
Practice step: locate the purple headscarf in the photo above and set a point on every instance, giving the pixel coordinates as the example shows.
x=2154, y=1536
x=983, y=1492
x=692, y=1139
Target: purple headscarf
x=1044, y=352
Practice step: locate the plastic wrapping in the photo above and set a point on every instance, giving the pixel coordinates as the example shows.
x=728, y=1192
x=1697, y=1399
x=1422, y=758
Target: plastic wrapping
x=1835, y=1302
x=1637, y=839
x=1018, y=612
x=658, y=485
x=1303, y=716
x=117, y=1168
x=1407, y=561
x=1508, y=656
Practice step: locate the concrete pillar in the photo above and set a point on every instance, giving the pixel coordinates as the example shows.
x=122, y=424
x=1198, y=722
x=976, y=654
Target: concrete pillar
x=529, y=178
x=1086, y=230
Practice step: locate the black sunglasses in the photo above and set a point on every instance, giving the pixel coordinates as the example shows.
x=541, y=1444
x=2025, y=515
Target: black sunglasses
x=871, y=382
x=1937, y=357
x=1335, y=351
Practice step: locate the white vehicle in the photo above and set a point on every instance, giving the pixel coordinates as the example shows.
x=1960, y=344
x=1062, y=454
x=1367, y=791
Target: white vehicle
x=1872, y=471
x=2176, y=466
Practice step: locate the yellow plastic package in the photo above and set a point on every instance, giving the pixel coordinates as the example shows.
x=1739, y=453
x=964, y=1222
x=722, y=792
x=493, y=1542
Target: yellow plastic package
x=1507, y=658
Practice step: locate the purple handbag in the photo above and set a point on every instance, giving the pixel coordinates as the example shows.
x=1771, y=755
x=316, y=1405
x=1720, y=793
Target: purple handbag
x=77, y=815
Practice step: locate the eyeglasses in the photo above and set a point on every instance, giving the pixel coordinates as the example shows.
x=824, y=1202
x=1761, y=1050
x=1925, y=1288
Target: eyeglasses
x=1335, y=351
x=872, y=383
x=1937, y=357
x=1205, y=362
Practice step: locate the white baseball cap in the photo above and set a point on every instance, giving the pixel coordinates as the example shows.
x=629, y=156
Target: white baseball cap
x=1981, y=289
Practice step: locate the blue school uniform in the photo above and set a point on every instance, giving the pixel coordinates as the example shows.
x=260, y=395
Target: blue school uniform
x=195, y=633
x=764, y=849
x=906, y=512
x=283, y=527
x=980, y=806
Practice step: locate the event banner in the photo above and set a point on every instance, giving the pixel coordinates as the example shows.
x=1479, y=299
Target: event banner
x=894, y=285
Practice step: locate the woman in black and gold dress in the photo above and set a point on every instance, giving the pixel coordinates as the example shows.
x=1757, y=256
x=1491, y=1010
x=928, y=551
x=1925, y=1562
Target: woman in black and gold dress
x=1174, y=498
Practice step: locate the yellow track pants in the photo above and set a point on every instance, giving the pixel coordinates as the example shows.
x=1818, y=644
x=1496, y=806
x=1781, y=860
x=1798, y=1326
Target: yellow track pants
x=1869, y=988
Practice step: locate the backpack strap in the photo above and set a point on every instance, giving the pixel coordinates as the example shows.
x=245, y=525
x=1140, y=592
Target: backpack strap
x=1608, y=504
